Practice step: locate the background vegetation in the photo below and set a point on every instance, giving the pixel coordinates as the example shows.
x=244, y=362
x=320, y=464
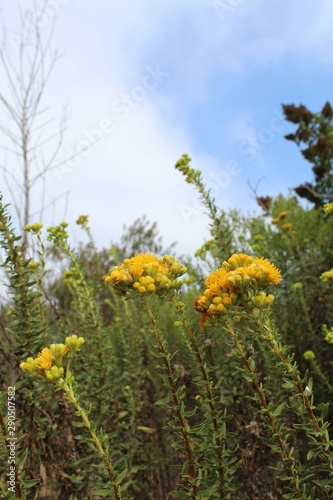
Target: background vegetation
x=235, y=417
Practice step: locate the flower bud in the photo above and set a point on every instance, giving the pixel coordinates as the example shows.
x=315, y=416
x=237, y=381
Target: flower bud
x=74, y=343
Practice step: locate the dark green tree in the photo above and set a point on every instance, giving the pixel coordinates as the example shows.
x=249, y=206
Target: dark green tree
x=314, y=137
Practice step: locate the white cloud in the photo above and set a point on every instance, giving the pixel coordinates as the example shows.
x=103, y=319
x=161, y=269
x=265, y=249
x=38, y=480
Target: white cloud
x=132, y=173
x=107, y=47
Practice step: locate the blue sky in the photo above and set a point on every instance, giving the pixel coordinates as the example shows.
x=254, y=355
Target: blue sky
x=153, y=80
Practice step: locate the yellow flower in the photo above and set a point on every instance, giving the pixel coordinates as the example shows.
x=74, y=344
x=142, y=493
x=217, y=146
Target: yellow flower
x=146, y=273
x=82, y=220
x=47, y=365
x=219, y=294
x=287, y=225
x=117, y=276
x=282, y=215
x=237, y=286
x=140, y=263
x=218, y=280
x=44, y=360
x=263, y=270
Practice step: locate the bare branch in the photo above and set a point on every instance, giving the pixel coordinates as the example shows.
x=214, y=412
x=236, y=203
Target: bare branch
x=52, y=203
x=31, y=136
x=316, y=194
x=255, y=189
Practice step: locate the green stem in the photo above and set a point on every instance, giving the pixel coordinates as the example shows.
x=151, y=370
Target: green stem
x=274, y=426
x=182, y=422
x=269, y=335
x=68, y=389
x=88, y=309
x=208, y=384
x=322, y=375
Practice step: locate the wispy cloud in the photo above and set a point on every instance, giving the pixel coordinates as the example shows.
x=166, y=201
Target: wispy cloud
x=108, y=47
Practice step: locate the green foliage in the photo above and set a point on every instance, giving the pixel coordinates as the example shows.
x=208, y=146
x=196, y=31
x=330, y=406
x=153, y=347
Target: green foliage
x=141, y=236
x=155, y=404
x=298, y=241
x=314, y=135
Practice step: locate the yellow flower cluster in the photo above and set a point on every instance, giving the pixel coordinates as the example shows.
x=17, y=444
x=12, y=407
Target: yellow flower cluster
x=34, y=228
x=145, y=273
x=33, y=266
x=82, y=220
x=327, y=276
x=328, y=333
x=48, y=363
x=237, y=286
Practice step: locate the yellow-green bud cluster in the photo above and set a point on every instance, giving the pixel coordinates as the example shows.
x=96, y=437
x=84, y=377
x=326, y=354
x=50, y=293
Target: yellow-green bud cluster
x=327, y=276
x=146, y=274
x=33, y=266
x=82, y=220
x=183, y=165
x=328, y=334
x=68, y=274
x=328, y=209
x=74, y=343
x=309, y=355
x=329, y=337
x=33, y=228
x=237, y=287
x=54, y=373
x=208, y=246
x=262, y=300
x=58, y=234
x=48, y=364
